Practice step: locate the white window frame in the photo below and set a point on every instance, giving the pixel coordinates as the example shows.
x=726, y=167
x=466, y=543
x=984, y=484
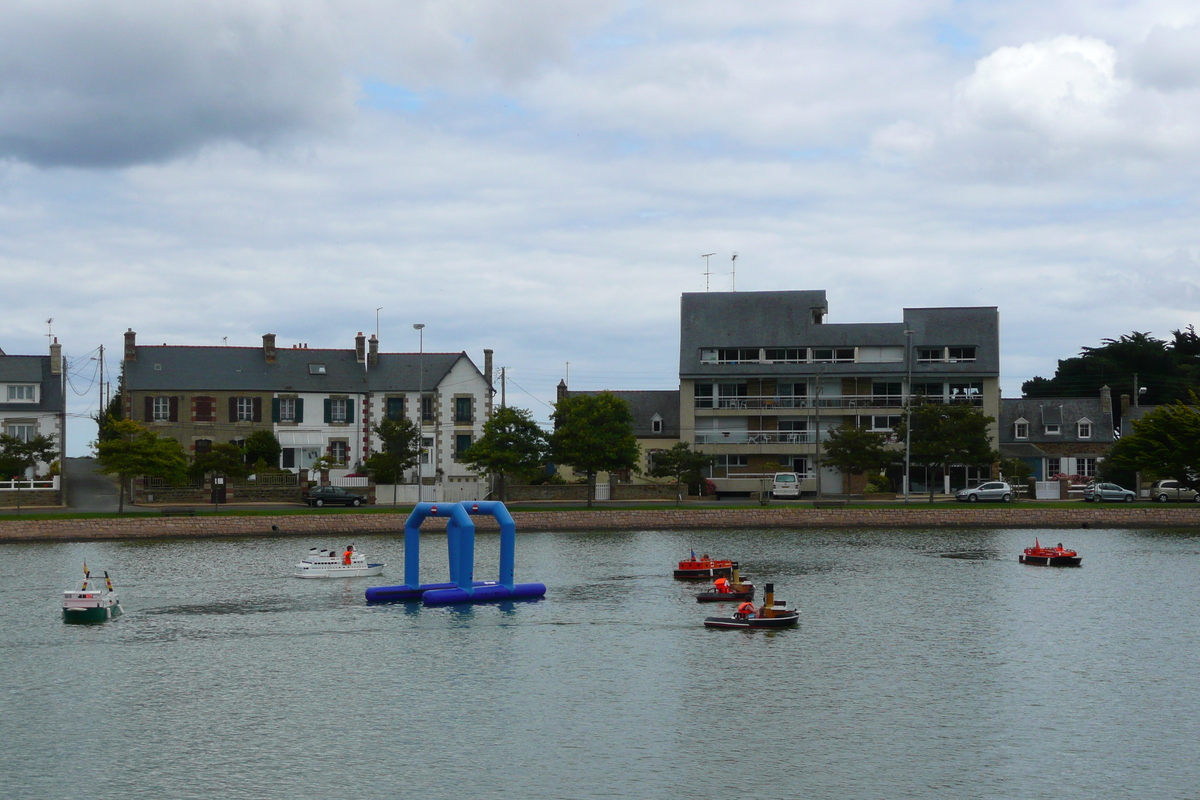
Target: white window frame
x=1054, y=430
x=1083, y=428
x=22, y=393
x=23, y=431
x=338, y=410
x=245, y=409
x=287, y=409
x=1021, y=429
x=162, y=409
x=344, y=456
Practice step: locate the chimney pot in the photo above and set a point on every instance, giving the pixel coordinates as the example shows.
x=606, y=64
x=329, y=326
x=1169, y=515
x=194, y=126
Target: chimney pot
x=269, y=347
x=130, y=345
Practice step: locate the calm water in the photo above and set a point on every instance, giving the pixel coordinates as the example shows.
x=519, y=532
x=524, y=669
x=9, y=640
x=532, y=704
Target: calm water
x=912, y=674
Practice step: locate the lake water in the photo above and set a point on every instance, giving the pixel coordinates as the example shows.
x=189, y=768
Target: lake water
x=912, y=673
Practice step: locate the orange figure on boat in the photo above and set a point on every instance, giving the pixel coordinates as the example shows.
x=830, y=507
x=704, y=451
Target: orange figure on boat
x=704, y=567
x=1057, y=556
x=728, y=589
x=772, y=614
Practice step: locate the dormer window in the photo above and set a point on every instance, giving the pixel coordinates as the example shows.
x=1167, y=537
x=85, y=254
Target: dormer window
x=656, y=424
x=1054, y=430
x=22, y=393
x=1021, y=429
x=1084, y=428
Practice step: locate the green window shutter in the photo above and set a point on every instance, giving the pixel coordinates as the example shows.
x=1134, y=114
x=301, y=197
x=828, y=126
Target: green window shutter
x=350, y=411
x=328, y=412
x=299, y=409
x=274, y=409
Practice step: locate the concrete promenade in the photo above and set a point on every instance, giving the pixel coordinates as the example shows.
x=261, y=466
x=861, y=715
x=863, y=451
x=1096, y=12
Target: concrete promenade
x=1021, y=516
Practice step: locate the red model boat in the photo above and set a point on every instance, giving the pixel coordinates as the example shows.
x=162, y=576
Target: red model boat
x=1058, y=556
x=704, y=567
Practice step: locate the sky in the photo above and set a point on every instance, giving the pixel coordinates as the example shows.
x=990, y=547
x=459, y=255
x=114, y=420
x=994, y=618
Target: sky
x=541, y=178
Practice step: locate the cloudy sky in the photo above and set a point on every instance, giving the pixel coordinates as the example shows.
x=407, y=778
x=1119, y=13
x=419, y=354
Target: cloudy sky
x=541, y=177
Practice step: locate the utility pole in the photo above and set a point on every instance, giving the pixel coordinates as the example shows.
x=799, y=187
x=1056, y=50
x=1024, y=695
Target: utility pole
x=733, y=271
x=908, y=412
x=503, y=388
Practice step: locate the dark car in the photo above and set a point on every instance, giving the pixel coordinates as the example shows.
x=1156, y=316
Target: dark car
x=332, y=496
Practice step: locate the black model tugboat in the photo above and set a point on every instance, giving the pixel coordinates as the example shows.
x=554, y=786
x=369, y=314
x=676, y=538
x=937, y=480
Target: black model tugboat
x=728, y=590
x=703, y=568
x=772, y=614
x=1050, y=556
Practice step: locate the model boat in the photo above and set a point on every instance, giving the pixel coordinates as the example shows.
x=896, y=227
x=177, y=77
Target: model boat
x=703, y=568
x=727, y=590
x=1058, y=556
x=772, y=614
x=91, y=603
x=331, y=564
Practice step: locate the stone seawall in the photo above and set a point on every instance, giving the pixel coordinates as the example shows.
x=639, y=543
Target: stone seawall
x=1182, y=516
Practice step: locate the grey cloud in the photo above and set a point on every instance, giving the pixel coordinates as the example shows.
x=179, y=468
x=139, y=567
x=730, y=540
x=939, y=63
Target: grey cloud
x=103, y=85
x=1169, y=59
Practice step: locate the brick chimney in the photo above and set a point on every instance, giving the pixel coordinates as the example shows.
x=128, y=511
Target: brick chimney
x=56, y=358
x=487, y=367
x=130, y=345
x=1124, y=406
x=373, y=353
x=269, y=347
x=360, y=348
x=1106, y=400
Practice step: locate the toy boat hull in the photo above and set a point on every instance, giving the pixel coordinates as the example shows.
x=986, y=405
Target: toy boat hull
x=787, y=620
x=701, y=570
x=340, y=571
x=78, y=615
x=1050, y=561
x=724, y=597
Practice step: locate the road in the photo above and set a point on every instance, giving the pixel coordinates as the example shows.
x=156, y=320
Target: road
x=88, y=490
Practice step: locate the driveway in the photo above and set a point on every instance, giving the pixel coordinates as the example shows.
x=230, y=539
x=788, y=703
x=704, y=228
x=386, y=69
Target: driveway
x=88, y=490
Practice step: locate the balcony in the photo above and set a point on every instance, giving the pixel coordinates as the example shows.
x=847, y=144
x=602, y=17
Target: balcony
x=755, y=437
x=770, y=402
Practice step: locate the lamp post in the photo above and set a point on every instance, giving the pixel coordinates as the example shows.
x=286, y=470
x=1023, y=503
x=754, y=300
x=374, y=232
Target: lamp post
x=419, y=327
x=907, y=410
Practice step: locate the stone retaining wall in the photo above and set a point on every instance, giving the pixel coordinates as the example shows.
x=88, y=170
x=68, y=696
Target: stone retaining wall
x=1183, y=516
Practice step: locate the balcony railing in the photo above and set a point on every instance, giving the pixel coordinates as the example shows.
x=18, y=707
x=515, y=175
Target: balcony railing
x=755, y=437
x=768, y=402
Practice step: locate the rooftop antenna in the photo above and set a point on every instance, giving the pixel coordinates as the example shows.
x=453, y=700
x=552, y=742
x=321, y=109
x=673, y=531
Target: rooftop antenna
x=707, y=271
x=225, y=339
x=734, y=272
x=568, y=378
x=50, y=329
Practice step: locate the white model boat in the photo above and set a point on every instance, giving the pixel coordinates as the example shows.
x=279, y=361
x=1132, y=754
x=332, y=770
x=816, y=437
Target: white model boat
x=331, y=564
x=91, y=603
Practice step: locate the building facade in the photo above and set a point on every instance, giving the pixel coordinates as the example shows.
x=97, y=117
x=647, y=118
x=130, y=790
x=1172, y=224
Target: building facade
x=655, y=425
x=764, y=378
x=32, y=401
x=1058, y=436
x=317, y=402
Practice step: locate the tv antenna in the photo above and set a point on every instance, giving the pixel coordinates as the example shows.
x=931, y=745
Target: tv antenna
x=733, y=273
x=707, y=271
x=50, y=329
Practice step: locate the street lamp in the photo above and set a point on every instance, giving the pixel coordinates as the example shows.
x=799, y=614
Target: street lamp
x=907, y=410
x=419, y=327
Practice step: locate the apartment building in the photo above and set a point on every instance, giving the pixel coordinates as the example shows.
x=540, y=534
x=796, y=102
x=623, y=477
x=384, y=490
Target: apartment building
x=317, y=402
x=764, y=377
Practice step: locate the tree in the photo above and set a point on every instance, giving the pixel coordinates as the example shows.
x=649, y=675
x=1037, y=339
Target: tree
x=401, y=449
x=594, y=432
x=17, y=456
x=855, y=451
x=1165, y=443
x=262, y=446
x=135, y=450
x=511, y=444
x=948, y=434
x=104, y=420
x=222, y=459
x=681, y=463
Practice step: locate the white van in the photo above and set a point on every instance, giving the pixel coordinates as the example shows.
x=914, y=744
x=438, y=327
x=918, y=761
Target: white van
x=786, y=484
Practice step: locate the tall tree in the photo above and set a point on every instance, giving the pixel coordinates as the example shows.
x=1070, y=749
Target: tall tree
x=135, y=450
x=855, y=451
x=512, y=444
x=17, y=456
x=262, y=446
x=681, y=463
x=401, y=448
x=948, y=434
x=593, y=433
x=1165, y=443
x=223, y=459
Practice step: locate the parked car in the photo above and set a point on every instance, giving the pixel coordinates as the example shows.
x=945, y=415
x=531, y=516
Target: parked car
x=1164, y=491
x=992, y=490
x=1107, y=492
x=332, y=496
x=786, y=484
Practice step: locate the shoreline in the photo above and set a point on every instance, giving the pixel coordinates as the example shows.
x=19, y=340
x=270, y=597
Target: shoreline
x=163, y=527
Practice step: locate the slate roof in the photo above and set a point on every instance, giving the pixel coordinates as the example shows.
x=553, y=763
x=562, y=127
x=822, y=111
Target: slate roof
x=31, y=369
x=1063, y=411
x=785, y=319
x=644, y=405
x=208, y=368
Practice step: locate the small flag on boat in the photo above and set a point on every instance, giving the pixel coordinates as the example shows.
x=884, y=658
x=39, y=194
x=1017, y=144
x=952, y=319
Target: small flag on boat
x=107, y=580
x=86, y=574
x=693, y=555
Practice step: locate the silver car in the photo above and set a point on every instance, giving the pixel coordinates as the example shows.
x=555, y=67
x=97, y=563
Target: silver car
x=1107, y=492
x=1163, y=491
x=992, y=490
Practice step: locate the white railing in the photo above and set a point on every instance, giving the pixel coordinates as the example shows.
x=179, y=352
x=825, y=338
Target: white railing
x=755, y=437
x=767, y=402
x=347, y=481
x=406, y=493
x=21, y=485
x=603, y=491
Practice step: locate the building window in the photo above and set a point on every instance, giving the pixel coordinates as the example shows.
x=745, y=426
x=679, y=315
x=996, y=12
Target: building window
x=967, y=393
x=462, y=410
x=426, y=448
x=929, y=355
x=287, y=458
x=245, y=409
x=881, y=423
x=21, y=431
x=316, y=369
x=338, y=451
x=1086, y=467
x=787, y=355
x=1085, y=429
x=1021, y=429
x=656, y=425
x=337, y=410
x=961, y=353
x=1053, y=467
x=704, y=395
x=162, y=409
x=461, y=442
x=929, y=391
x=800, y=465
x=729, y=394
x=203, y=446
x=206, y=409
x=427, y=408
x=1053, y=430
x=21, y=393
x=395, y=409
x=287, y=409
x=886, y=394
